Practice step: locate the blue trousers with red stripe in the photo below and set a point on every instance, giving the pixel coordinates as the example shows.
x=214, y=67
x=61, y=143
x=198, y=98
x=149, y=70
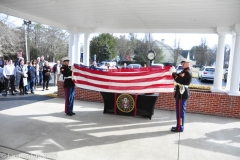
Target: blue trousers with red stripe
x=180, y=113
x=69, y=99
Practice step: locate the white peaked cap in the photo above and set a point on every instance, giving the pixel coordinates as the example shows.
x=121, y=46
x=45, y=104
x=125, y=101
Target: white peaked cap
x=65, y=59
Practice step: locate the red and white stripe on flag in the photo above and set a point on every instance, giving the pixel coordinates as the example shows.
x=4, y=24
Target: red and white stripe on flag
x=124, y=81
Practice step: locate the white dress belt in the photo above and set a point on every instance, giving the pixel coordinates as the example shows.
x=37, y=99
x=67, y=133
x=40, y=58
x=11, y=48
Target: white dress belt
x=69, y=77
x=182, y=88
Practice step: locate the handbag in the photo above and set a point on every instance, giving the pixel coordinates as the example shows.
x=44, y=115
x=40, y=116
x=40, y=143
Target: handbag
x=25, y=75
x=47, y=74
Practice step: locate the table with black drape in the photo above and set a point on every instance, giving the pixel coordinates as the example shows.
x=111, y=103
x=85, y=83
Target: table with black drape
x=129, y=104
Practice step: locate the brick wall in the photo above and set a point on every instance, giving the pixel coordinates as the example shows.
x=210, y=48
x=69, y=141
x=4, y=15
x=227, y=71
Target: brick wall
x=81, y=94
x=219, y=104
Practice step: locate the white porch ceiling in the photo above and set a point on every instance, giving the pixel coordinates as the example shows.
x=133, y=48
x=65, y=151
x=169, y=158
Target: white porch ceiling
x=124, y=16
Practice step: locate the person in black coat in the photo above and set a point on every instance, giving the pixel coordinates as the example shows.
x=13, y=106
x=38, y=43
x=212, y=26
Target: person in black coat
x=94, y=66
x=69, y=86
x=46, y=75
x=182, y=94
x=31, y=77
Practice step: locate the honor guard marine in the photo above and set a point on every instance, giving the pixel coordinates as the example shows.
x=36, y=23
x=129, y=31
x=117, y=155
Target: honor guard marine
x=182, y=93
x=69, y=86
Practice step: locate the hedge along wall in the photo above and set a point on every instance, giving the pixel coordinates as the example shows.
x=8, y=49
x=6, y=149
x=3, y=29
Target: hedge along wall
x=219, y=104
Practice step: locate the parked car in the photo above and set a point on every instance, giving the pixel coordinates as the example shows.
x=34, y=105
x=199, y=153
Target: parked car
x=225, y=75
x=206, y=73
x=179, y=68
x=134, y=66
x=197, y=66
x=157, y=65
x=104, y=63
x=51, y=64
x=167, y=63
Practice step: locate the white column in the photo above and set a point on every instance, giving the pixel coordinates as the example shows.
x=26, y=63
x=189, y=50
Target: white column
x=217, y=84
x=71, y=48
x=86, y=49
x=77, y=48
x=230, y=64
x=234, y=85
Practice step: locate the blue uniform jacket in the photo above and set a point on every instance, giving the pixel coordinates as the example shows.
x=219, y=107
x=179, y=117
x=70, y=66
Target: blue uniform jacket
x=31, y=72
x=67, y=72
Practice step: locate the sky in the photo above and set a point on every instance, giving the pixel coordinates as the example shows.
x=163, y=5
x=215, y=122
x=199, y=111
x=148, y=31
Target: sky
x=187, y=41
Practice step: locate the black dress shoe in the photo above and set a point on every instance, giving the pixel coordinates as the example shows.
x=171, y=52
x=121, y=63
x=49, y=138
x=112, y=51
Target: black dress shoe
x=13, y=94
x=73, y=113
x=176, y=130
x=69, y=114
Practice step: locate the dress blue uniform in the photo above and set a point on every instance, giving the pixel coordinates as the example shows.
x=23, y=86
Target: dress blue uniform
x=69, y=87
x=183, y=79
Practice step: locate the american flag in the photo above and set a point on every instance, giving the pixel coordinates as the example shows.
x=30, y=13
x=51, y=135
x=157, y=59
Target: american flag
x=135, y=81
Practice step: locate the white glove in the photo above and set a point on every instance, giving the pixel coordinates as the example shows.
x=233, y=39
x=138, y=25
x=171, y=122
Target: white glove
x=172, y=69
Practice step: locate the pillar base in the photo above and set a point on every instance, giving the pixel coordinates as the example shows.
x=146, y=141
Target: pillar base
x=217, y=90
x=226, y=90
x=233, y=93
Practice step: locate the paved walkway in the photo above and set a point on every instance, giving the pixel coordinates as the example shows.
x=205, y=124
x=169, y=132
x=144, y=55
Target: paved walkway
x=36, y=124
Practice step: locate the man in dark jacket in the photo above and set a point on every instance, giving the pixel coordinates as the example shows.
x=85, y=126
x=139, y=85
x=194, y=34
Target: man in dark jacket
x=94, y=65
x=69, y=86
x=182, y=93
x=31, y=78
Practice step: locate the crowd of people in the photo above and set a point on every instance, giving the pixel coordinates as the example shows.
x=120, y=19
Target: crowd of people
x=25, y=76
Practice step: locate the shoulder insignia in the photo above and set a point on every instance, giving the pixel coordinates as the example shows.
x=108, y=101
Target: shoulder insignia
x=182, y=74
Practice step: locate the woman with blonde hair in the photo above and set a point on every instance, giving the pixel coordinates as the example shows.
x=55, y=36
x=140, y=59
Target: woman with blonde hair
x=46, y=75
